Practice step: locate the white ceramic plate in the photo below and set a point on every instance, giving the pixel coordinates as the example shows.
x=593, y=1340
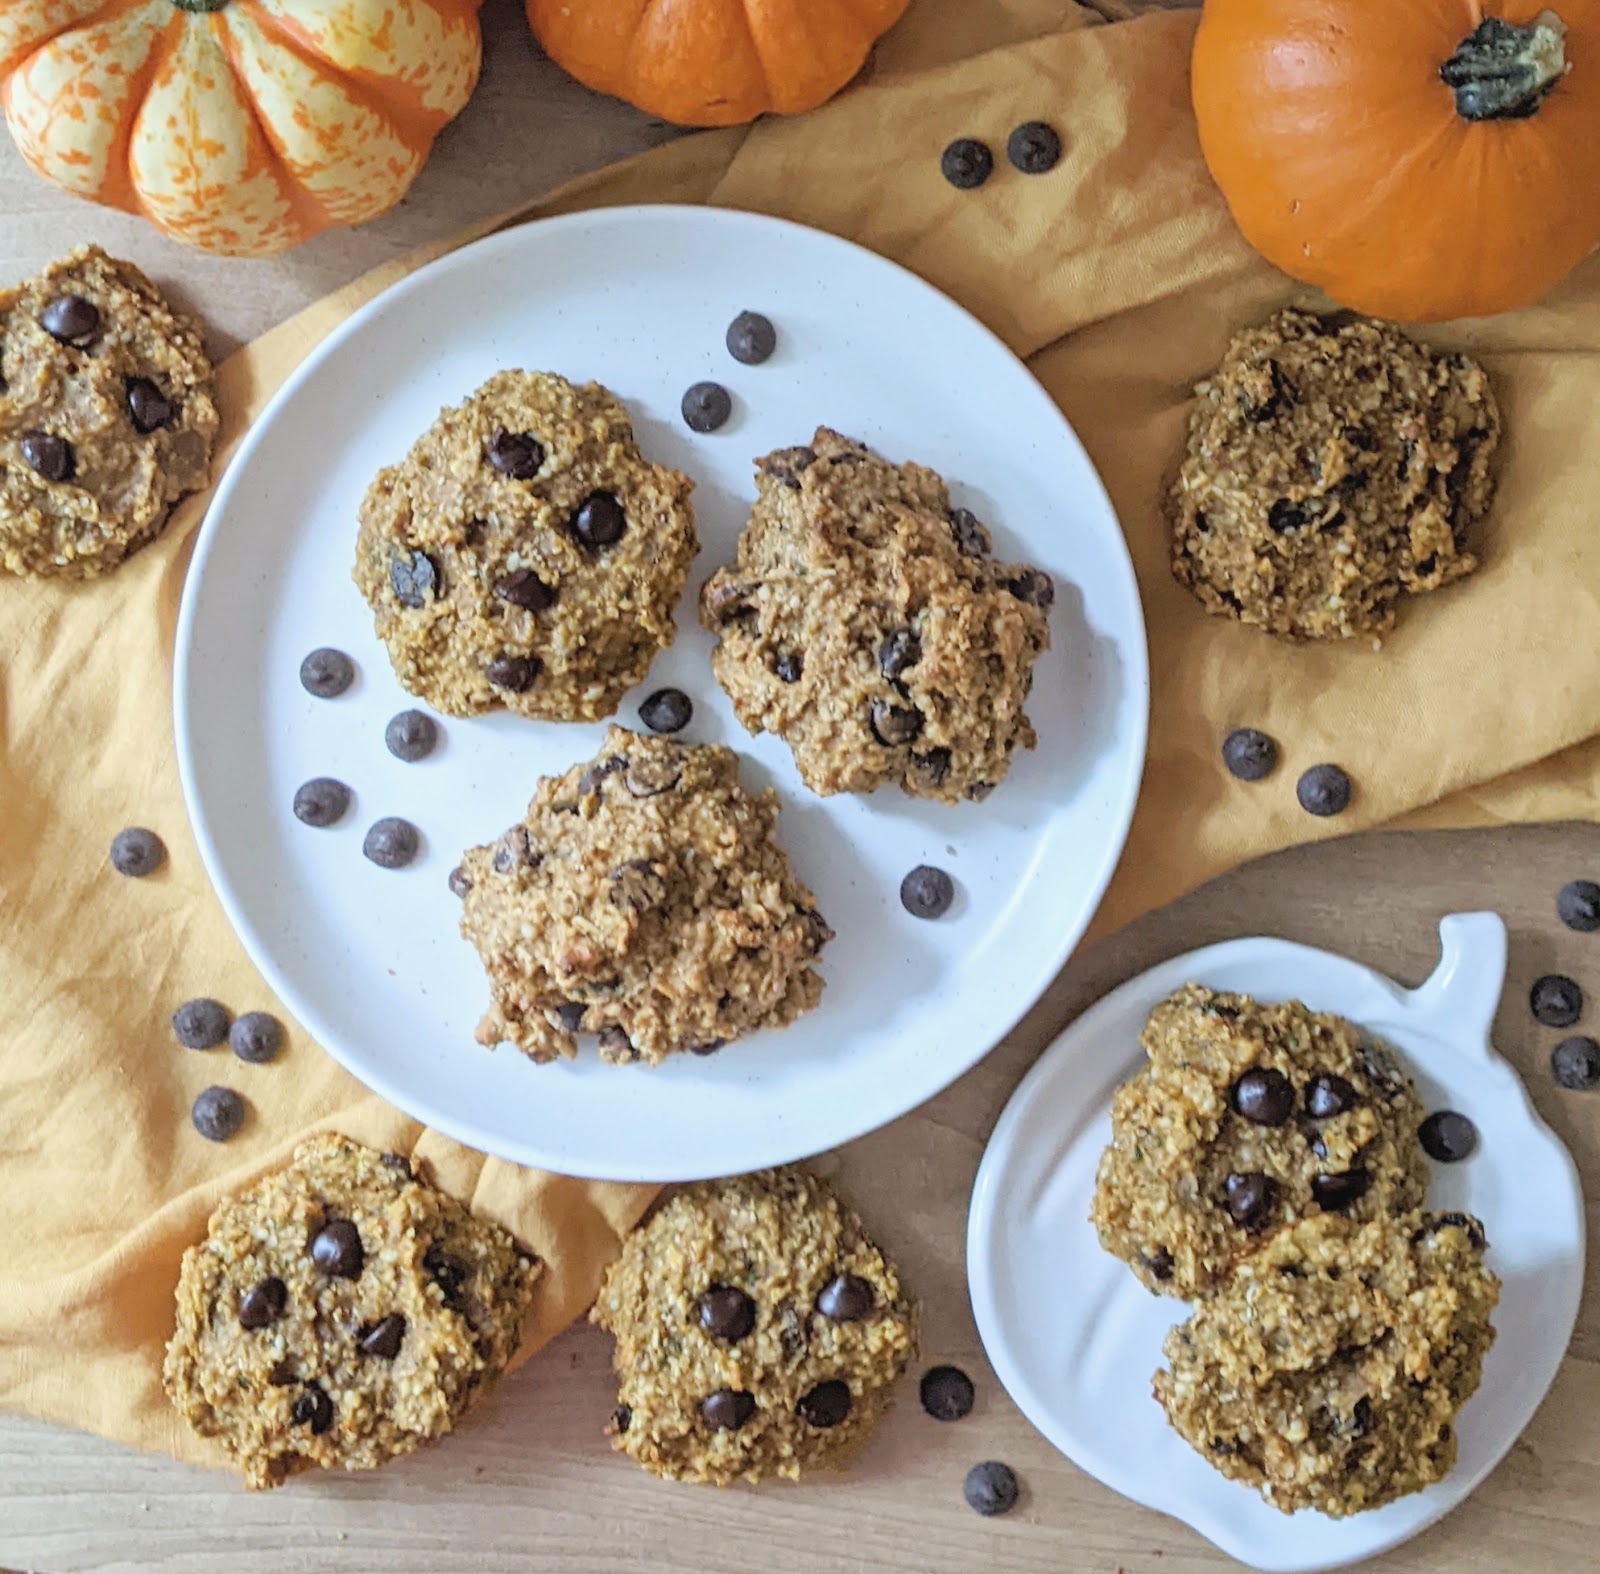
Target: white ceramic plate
x=371, y=962
x=1075, y=1338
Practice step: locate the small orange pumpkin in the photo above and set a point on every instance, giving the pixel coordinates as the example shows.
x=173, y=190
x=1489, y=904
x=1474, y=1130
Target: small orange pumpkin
x=238, y=126
x=1415, y=159
x=713, y=62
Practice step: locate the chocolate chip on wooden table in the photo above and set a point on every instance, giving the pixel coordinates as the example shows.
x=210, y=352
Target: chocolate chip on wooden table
x=1575, y=1063
x=727, y=1409
x=946, y=1393
x=414, y=577
x=321, y=802
x=523, y=588
x=327, y=673
x=790, y=667
x=411, y=735
x=598, y=521
x=137, y=852
x=966, y=163
x=256, y=1037
x=1447, y=1136
x=927, y=892
x=148, y=408
x=262, y=1304
x=751, y=339
x=1555, y=1000
x=312, y=1408
x=1578, y=904
x=990, y=1488
x=47, y=455
x=1034, y=147
x=515, y=455
x=391, y=843
x=971, y=538
x=1247, y=1197
x=1324, y=790
x=845, y=1298
x=515, y=674
x=1328, y=1095
x=706, y=407
x=893, y=725
x=201, y=1023
x=667, y=710
x=1334, y=1192
x=900, y=651
x=460, y=881
x=217, y=1113
x=726, y=1313
x=384, y=1338
x=1263, y=1096
x=1249, y=755
x=826, y=1405
x=336, y=1250
x=71, y=319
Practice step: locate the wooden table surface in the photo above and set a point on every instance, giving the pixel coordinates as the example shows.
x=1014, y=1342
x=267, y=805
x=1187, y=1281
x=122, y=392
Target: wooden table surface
x=529, y=1485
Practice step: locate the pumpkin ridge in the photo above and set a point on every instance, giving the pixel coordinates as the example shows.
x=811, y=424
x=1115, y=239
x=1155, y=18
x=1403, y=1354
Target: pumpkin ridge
x=120, y=187
x=42, y=40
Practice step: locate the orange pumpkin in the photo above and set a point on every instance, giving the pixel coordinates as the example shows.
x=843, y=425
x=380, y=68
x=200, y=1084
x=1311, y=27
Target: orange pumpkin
x=239, y=126
x=713, y=62
x=1416, y=159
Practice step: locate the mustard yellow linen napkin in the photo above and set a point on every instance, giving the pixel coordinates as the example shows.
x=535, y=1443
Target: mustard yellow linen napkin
x=1121, y=277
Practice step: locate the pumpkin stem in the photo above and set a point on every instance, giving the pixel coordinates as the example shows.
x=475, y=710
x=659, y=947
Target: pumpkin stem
x=200, y=5
x=1503, y=70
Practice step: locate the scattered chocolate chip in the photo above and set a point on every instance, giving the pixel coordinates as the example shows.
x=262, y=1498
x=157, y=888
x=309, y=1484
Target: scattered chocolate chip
x=321, y=802
x=726, y=1313
x=1158, y=1263
x=751, y=339
x=1447, y=1136
x=460, y=882
x=1335, y=1192
x=217, y=1113
x=927, y=892
x=336, y=1250
x=256, y=1037
x=570, y=1015
x=893, y=725
x=201, y=1024
x=900, y=651
x=971, y=539
x=990, y=1488
x=1323, y=790
x=516, y=455
x=598, y=521
x=1578, y=904
x=706, y=406
x=790, y=667
x=649, y=778
x=523, y=588
x=1249, y=755
x=1034, y=587
x=1575, y=1063
x=148, y=408
x=728, y=1409
x=391, y=843
x=1556, y=1001
x=312, y=1408
x=327, y=673
x=931, y=768
x=1247, y=1197
x=966, y=163
x=825, y=1405
x=446, y=1271
x=137, y=852
x=621, y=1418
x=71, y=319
x=262, y=1304
x=845, y=1298
x=1328, y=1095
x=947, y=1393
x=48, y=455
x=667, y=710
x=383, y=1339
x=1263, y=1096
x=514, y=674
x=414, y=577
x=1034, y=148
x=411, y=735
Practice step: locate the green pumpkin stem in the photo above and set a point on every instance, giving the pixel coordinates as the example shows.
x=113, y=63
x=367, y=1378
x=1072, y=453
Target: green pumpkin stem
x=1503, y=70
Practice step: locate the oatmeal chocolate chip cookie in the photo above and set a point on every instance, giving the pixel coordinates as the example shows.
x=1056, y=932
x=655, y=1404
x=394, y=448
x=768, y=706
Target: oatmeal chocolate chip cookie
x=1248, y=1117
x=642, y=899
x=1330, y=471
x=341, y=1312
x=1328, y=1372
x=866, y=624
x=524, y=554
x=106, y=416
x=758, y=1331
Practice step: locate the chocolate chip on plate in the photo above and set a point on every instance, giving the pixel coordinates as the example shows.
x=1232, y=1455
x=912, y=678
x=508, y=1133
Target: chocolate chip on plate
x=728, y=1409
x=845, y=1298
x=726, y=1313
x=523, y=588
x=825, y=1405
x=336, y=1250
x=48, y=455
x=413, y=576
x=201, y=1023
x=1556, y=1001
x=256, y=1037
x=900, y=651
x=391, y=843
x=384, y=1338
x=1575, y=1063
x=706, y=406
x=946, y=1393
x=137, y=852
x=1247, y=1197
x=990, y=1488
x=1263, y=1096
x=148, y=408
x=1323, y=790
x=1034, y=147
x=312, y=1408
x=327, y=673
x=71, y=319
x=790, y=667
x=321, y=802
x=966, y=163
x=598, y=521
x=262, y=1304
x=1578, y=905
x=927, y=892
x=1334, y=1192
x=1250, y=755
x=1328, y=1095
x=217, y=1113
x=1447, y=1136
x=515, y=455
x=667, y=710
x=411, y=735
x=893, y=725
x=751, y=338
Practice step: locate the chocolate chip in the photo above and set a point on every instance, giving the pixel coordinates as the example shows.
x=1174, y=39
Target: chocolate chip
x=947, y=1393
x=825, y=1405
x=1578, y=905
x=893, y=725
x=845, y=1298
x=927, y=892
x=790, y=667
x=728, y=1409
x=148, y=408
x=649, y=778
x=391, y=843
x=710, y=1047
x=446, y=1271
x=786, y=465
x=726, y=1313
x=621, y=1418
x=966, y=163
x=336, y=1250
x=751, y=339
x=598, y=521
x=1035, y=587
x=706, y=406
x=570, y=1014
x=1447, y=1136
x=1247, y=1197
x=1335, y=1192
x=1263, y=1096
x=71, y=319
x=637, y=887
x=900, y=651
x=312, y=1408
x=1034, y=147
x=201, y=1024
x=321, y=802
x=615, y=1040
x=1249, y=755
x=515, y=850
x=1328, y=1095
x=414, y=577
x=398, y=1163
x=515, y=674
x=460, y=881
x=667, y=710
x=327, y=673
x=262, y=1304
x=411, y=735
x=1556, y=1001
x=931, y=768
x=1158, y=1263
x=1575, y=1063
x=1357, y=1424
x=383, y=1339
x=1435, y=1224
x=48, y=455
x=1323, y=790
x=990, y=1488
x=217, y=1113
x=593, y=779
x=1285, y=516
x=523, y=588
x=971, y=539
x=137, y=852
x=256, y=1037
x=516, y=455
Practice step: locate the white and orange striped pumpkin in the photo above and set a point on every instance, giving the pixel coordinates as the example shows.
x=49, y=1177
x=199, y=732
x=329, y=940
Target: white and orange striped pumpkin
x=238, y=126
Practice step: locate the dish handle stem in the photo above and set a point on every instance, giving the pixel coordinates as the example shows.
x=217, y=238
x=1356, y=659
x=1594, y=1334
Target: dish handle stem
x=1466, y=986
